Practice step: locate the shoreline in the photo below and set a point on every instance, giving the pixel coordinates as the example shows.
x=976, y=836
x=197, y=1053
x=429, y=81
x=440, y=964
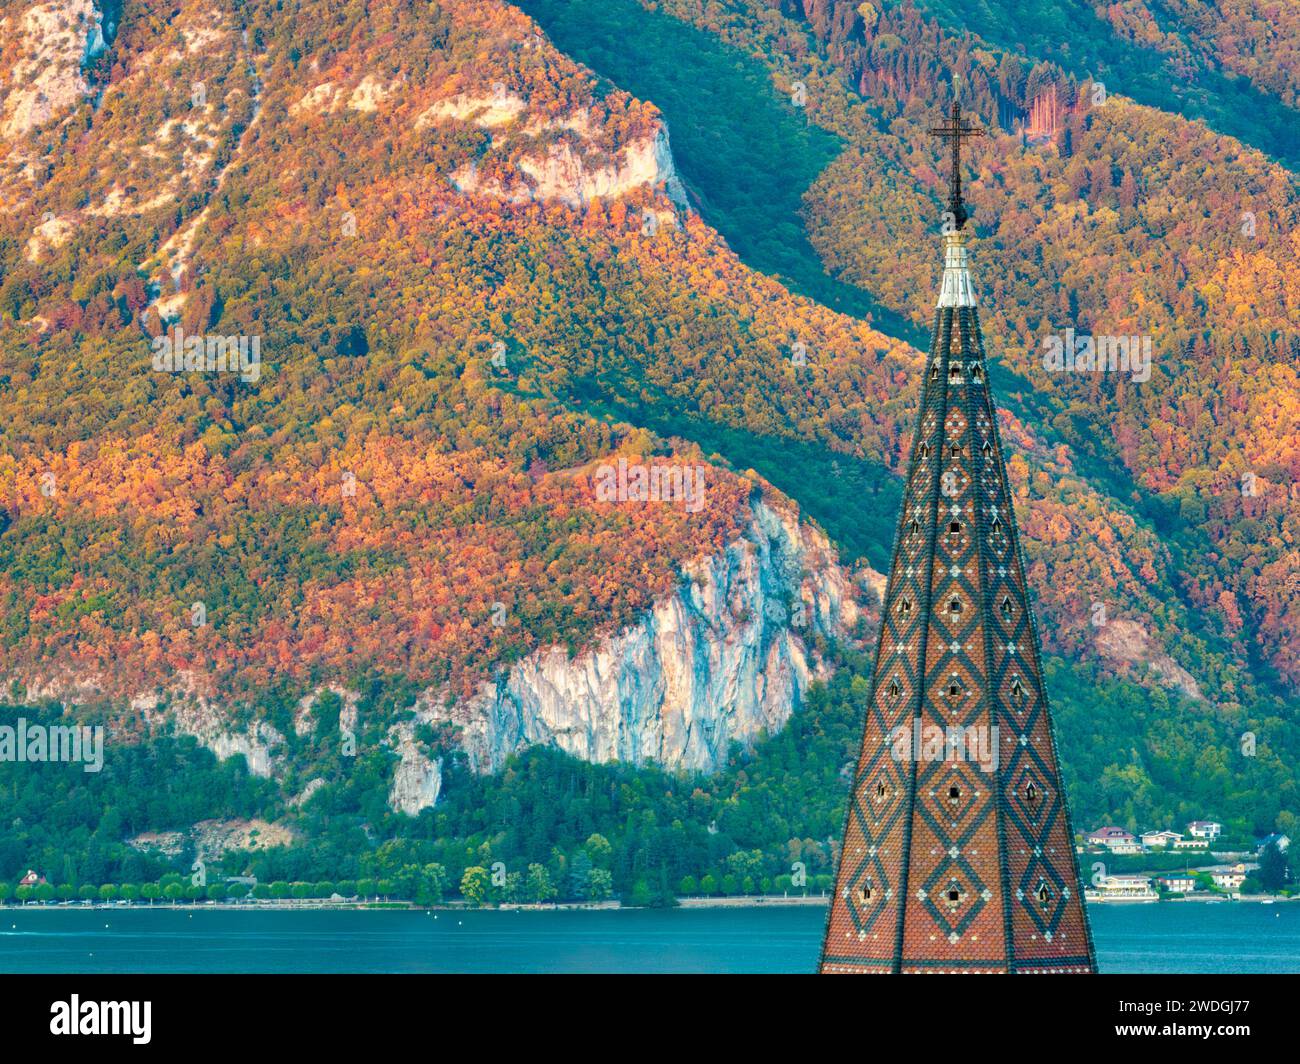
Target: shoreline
x=315, y=905
x=737, y=902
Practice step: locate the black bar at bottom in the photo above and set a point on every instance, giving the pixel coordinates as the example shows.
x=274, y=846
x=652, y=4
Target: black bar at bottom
x=369, y=1014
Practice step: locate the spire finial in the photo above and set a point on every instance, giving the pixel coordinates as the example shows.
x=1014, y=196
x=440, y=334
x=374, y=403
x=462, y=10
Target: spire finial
x=956, y=130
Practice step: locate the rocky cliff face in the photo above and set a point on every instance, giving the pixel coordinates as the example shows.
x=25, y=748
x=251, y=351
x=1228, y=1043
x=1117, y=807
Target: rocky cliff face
x=259, y=743
x=417, y=780
x=556, y=159
x=562, y=174
x=723, y=660
x=48, y=44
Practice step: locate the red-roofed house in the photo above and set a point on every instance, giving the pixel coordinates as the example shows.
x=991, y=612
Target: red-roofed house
x=1116, y=840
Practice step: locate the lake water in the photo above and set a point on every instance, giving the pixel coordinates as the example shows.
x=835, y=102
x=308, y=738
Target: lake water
x=1163, y=938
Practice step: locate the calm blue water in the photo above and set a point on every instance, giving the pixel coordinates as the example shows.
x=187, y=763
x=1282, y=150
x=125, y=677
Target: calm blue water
x=1139, y=938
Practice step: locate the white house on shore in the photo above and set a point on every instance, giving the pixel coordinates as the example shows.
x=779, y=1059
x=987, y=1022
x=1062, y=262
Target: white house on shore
x=1177, y=882
x=1159, y=840
x=1230, y=876
x=1282, y=842
x=1121, y=888
x=1205, y=829
x=1228, y=879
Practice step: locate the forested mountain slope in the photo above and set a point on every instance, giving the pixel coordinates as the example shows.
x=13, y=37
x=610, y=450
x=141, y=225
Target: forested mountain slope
x=478, y=269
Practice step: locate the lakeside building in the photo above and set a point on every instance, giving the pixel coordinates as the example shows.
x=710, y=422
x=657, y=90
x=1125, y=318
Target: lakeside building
x=1122, y=888
x=1230, y=876
x=1159, y=840
x=1282, y=842
x=1177, y=882
x=1114, y=839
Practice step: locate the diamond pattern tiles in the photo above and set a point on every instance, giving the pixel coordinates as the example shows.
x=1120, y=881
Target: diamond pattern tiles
x=957, y=853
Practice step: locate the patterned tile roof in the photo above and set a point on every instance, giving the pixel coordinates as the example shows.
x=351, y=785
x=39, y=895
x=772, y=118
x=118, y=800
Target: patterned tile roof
x=957, y=851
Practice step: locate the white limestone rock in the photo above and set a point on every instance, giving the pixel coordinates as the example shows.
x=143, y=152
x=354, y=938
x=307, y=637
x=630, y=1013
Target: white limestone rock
x=57, y=40
x=259, y=743
x=722, y=660
x=417, y=779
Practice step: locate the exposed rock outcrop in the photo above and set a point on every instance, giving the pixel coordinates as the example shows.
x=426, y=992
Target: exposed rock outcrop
x=259, y=742
x=488, y=112
x=212, y=838
x=725, y=659
x=557, y=160
x=53, y=232
x=722, y=661
x=305, y=795
x=303, y=722
x=55, y=40
x=367, y=96
x=564, y=175
x=1128, y=642
x=417, y=780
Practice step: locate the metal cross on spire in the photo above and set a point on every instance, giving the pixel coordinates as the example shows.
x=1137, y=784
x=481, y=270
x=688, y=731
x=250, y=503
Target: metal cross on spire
x=956, y=130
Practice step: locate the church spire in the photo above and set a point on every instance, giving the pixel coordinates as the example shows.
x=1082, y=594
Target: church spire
x=957, y=852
